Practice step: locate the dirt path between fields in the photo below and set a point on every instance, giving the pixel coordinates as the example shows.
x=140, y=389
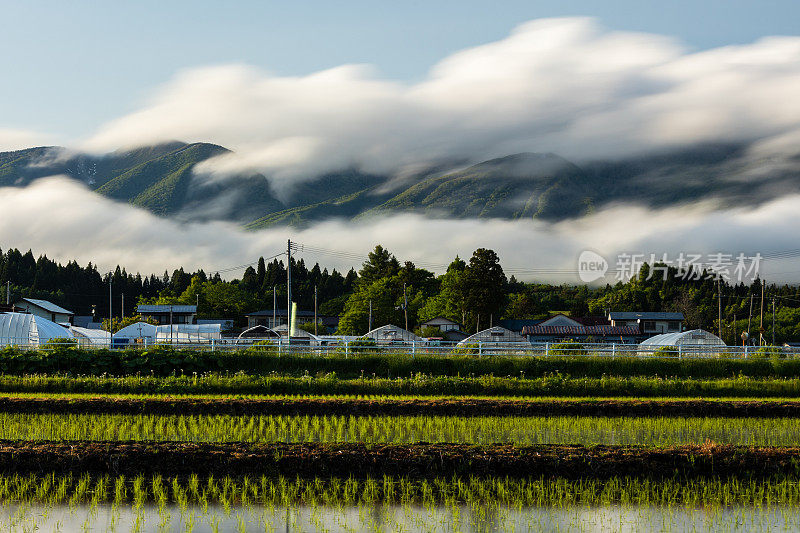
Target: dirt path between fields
x=412, y=461
x=409, y=407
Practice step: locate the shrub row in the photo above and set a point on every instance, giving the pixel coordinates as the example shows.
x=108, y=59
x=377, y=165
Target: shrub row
x=165, y=361
x=554, y=385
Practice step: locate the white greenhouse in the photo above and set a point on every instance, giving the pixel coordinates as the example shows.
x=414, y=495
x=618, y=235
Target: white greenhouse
x=90, y=337
x=695, y=340
x=188, y=333
x=391, y=334
x=496, y=339
x=22, y=329
x=138, y=333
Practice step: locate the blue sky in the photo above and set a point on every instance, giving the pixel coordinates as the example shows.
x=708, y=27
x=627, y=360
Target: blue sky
x=69, y=67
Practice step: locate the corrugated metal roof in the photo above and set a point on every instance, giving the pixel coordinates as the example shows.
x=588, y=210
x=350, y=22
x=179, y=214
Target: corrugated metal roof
x=166, y=308
x=644, y=315
x=580, y=330
x=48, y=306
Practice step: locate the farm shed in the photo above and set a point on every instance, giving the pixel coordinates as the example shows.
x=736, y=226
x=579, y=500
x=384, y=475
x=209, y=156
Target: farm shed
x=391, y=334
x=687, y=341
x=91, y=337
x=29, y=330
x=138, y=333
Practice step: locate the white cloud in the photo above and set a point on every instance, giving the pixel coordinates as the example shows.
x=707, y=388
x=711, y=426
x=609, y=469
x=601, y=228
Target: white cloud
x=61, y=218
x=563, y=85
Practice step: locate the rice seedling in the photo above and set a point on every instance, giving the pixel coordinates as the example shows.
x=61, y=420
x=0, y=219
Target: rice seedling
x=655, y=431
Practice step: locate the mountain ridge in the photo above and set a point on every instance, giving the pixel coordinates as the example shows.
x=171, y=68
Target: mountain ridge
x=162, y=179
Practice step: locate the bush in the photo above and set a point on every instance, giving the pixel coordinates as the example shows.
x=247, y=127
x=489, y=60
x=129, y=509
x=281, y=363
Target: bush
x=62, y=342
x=769, y=352
x=466, y=349
x=667, y=351
x=568, y=348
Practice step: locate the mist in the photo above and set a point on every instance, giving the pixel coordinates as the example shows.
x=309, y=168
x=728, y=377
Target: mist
x=60, y=218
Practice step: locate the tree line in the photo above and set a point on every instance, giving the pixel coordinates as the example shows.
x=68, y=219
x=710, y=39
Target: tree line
x=474, y=292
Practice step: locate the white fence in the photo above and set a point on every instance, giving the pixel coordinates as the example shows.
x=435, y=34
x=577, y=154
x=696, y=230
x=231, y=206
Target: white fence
x=479, y=349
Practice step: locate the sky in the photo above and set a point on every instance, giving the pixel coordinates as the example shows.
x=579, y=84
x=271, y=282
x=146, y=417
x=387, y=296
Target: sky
x=69, y=67
x=301, y=88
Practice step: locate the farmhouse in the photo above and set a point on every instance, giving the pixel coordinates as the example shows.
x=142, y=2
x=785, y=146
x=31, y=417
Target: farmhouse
x=264, y=318
x=649, y=323
x=596, y=329
x=169, y=314
x=45, y=309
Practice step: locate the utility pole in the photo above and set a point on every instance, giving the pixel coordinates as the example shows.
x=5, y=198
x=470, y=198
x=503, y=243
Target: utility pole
x=761, y=320
x=8, y=292
x=288, y=291
x=773, y=321
x=170, y=324
x=123, y=305
x=110, y=309
x=315, y=309
x=750, y=316
x=274, y=306
x=719, y=306
x=405, y=305
x=370, y=317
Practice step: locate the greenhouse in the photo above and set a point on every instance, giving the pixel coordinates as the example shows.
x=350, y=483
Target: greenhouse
x=391, y=334
x=22, y=329
x=138, y=333
x=694, y=340
x=183, y=333
x=90, y=337
x=495, y=335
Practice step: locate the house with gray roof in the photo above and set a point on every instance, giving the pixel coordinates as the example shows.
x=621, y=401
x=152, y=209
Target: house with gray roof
x=169, y=314
x=45, y=309
x=649, y=322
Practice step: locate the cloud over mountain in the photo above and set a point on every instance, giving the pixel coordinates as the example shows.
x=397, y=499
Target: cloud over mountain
x=553, y=85
x=67, y=221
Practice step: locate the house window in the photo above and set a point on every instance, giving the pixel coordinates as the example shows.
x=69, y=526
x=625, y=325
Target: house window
x=649, y=325
x=674, y=325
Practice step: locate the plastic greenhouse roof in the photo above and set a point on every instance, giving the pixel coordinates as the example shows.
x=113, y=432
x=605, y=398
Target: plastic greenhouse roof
x=26, y=328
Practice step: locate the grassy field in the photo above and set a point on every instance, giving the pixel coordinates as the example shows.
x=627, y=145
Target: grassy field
x=553, y=385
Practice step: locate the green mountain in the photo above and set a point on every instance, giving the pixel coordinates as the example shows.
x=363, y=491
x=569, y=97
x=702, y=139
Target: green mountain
x=163, y=179
x=517, y=186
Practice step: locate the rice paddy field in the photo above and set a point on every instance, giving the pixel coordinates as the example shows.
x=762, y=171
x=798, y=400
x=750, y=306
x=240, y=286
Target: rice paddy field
x=246, y=451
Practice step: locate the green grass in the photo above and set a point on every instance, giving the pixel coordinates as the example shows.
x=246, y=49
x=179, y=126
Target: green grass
x=556, y=385
x=522, y=431
x=264, y=362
